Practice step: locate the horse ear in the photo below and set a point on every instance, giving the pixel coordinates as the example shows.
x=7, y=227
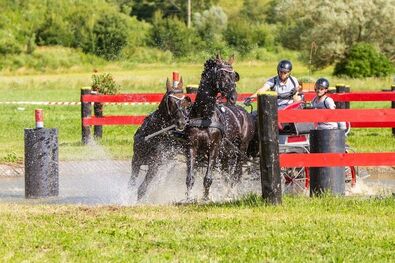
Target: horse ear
x=180, y=84
x=218, y=57
x=231, y=59
x=168, y=85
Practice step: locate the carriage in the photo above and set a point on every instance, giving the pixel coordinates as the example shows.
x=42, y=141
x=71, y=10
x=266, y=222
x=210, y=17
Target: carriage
x=294, y=138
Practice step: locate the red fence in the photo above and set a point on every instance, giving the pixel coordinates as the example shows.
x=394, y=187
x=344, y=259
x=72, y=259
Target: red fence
x=359, y=118
x=369, y=118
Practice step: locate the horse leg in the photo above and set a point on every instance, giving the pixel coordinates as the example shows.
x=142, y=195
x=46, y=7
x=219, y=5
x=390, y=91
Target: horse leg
x=135, y=172
x=238, y=170
x=190, y=180
x=151, y=173
x=208, y=178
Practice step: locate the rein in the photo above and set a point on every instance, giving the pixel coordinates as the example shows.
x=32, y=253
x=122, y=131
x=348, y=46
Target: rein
x=169, y=94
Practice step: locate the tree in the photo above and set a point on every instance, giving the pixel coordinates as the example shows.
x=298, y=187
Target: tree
x=335, y=26
x=255, y=11
x=240, y=36
x=363, y=60
x=172, y=34
x=146, y=9
x=110, y=35
x=210, y=23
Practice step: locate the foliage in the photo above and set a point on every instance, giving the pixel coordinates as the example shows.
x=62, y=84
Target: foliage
x=50, y=59
x=146, y=9
x=132, y=54
x=172, y=34
x=254, y=11
x=54, y=29
x=210, y=24
x=363, y=60
x=104, y=84
x=110, y=35
x=238, y=36
x=8, y=43
x=334, y=26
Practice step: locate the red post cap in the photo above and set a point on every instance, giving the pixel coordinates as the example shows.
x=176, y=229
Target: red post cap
x=176, y=79
x=39, y=114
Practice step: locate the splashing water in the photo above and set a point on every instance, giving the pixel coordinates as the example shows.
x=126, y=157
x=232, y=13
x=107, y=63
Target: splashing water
x=105, y=181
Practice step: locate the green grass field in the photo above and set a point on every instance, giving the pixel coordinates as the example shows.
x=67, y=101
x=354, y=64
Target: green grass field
x=141, y=78
x=301, y=230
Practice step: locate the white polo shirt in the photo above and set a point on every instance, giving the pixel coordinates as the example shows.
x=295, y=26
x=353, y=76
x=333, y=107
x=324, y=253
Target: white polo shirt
x=275, y=84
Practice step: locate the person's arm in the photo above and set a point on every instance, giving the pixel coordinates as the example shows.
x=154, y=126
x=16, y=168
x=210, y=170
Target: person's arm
x=268, y=84
x=329, y=103
x=296, y=97
x=264, y=88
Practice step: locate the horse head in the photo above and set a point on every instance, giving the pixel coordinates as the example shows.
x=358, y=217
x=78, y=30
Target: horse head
x=177, y=104
x=221, y=77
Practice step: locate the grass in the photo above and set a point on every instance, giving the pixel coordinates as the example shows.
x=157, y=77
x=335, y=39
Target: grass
x=302, y=229
x=140, y=78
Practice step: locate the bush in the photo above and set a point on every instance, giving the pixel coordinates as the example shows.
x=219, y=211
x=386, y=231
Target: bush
x=8, y=43
x=173, y=35
x=363, y=60
x=110, y=35
x=238, y=35
x=211, y=23
x=104, y=84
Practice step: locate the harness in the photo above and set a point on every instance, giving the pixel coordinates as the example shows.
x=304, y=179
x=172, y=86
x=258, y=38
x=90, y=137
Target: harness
x=275, y=83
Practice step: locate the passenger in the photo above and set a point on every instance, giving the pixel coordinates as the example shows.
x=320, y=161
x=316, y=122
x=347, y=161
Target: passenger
x=322, y=101
x=284, y=84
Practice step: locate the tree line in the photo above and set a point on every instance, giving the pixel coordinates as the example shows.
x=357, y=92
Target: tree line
x=357, y=36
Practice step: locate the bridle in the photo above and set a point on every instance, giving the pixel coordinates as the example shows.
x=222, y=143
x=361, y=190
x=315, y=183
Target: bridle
x=170, y=94
x=223, y=67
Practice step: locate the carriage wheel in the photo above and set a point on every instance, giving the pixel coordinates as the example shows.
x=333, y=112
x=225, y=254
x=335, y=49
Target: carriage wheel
x=351, y=172
x=295, y=180
x=351, y=175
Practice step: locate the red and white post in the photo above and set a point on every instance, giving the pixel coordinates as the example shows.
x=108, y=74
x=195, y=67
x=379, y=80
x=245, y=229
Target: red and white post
x=176, y=79
x=39, y=114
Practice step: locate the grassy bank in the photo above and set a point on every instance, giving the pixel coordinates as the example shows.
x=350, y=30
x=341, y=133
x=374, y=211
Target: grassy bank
x=140, y=78
x=302, y=229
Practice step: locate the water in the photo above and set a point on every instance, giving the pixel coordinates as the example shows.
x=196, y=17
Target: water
x=105, y=182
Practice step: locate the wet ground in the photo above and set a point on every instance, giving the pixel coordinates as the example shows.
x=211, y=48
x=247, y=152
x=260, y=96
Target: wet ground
x=105, y=182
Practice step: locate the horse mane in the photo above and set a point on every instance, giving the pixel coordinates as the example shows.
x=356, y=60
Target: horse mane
x=205, y=98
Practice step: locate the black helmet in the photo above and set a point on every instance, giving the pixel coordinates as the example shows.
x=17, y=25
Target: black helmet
x=322, y=82
x=284, y=65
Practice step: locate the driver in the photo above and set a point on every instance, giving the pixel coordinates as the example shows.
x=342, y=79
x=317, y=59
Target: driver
x=284, y=84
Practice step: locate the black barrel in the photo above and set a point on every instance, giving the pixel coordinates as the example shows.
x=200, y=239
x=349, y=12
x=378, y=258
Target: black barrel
x=41, y=163
x=327, y=179
x=268, y=148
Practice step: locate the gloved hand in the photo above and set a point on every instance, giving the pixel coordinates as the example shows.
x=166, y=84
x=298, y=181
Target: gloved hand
x=287, y=95
x=247, y=101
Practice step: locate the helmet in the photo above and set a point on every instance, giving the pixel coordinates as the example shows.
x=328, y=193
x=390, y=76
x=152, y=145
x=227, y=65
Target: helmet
x=322, y=82
x=284, y=65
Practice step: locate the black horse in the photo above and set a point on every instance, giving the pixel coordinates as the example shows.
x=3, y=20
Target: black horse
x=213, y=128
x=154, y=151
